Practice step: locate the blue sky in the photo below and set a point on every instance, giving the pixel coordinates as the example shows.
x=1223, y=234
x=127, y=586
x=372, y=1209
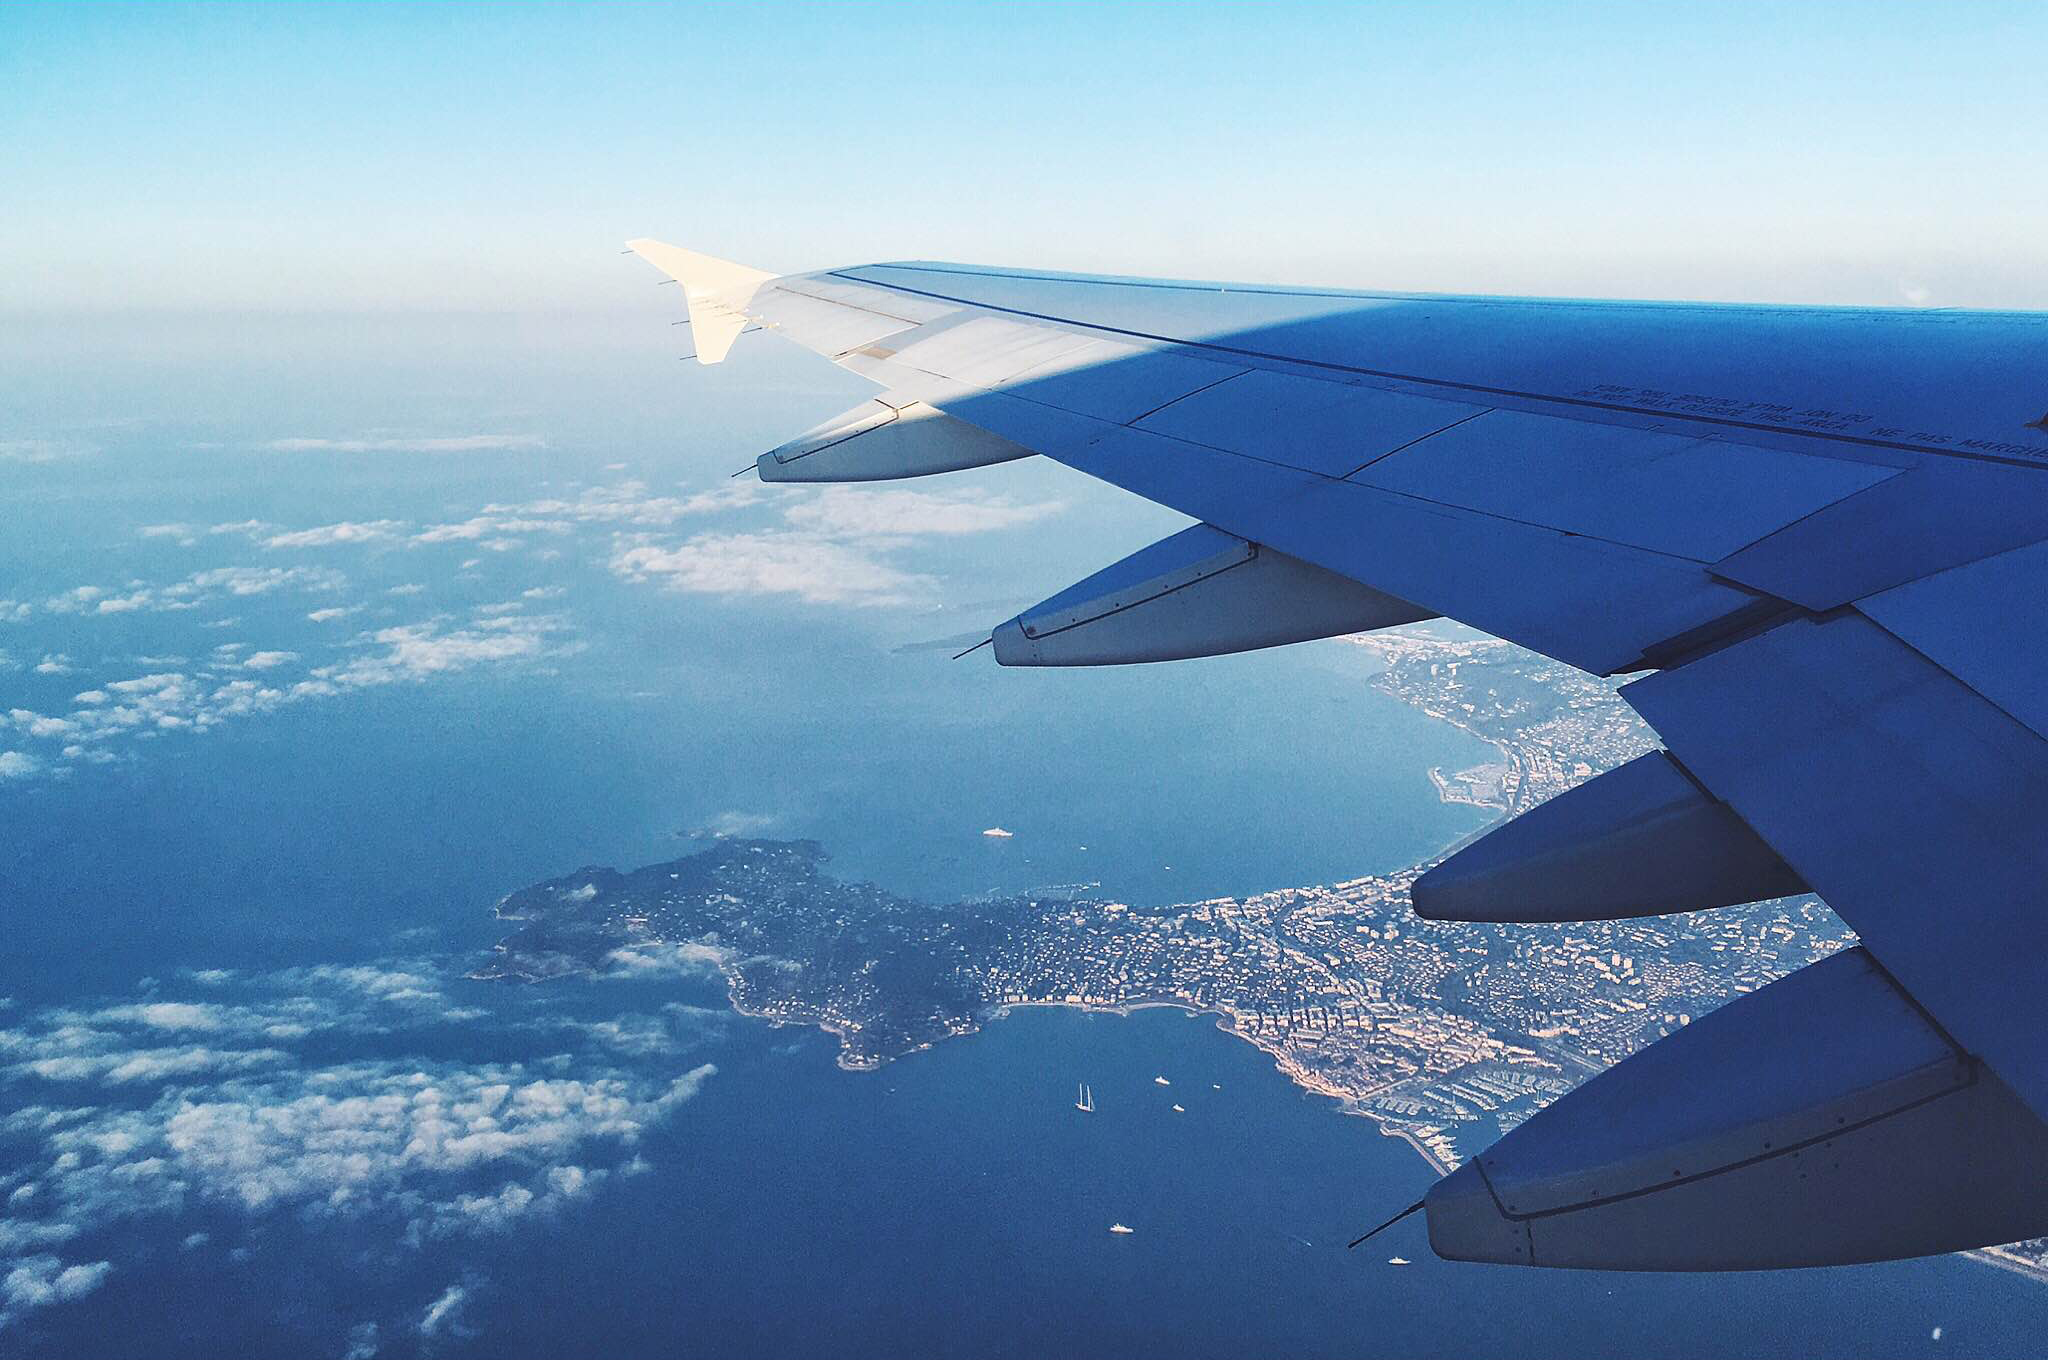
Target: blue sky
x=374, y=157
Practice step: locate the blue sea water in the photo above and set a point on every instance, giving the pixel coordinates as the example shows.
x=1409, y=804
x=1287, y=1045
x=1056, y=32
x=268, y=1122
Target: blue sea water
x=952, y=1203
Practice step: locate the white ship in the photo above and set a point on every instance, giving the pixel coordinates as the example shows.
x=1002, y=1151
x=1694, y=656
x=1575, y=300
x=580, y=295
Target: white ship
x=1162, y=1081
x=1120, y=1230
x=1084, y=1099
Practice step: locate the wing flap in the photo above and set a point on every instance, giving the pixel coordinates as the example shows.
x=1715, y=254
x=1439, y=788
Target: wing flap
x=1928, y=519
x=1910, y=803
x=1977, y=621
x=1817, y=1121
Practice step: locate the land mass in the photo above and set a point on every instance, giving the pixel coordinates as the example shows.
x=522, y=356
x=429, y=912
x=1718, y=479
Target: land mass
x=1445, y=1034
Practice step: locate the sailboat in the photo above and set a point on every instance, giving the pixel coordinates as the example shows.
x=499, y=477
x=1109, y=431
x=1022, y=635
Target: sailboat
x=1084, y=1099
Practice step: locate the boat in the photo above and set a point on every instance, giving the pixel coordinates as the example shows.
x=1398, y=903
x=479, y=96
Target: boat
x=1162, y=1081
x=1180, y=1109
x=1120, y=1230
x=1084, y=1099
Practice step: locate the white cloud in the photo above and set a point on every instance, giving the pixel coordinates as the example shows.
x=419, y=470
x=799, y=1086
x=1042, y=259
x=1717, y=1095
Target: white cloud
x=254, y=1127
x=444, y=1312
x=263, y=580
x=36, y=725
x=493, y=527
x=690, y=958
x=106, y=720
x=836, y=546
x=14, y=611
x=629, y=504
x=843, y=512
x=333, y=612
x=184, y=535
x=465, y=443
x=413, y=651
x=41, y=450
x=193, y=591
x=54, y=663
x=40, y=1281
x=362, y=1342
x=812, y=569
x=328, y=535
x=733, y=822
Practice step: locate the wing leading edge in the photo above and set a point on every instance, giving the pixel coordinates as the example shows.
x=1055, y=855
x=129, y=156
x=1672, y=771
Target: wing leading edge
x=1813, y=525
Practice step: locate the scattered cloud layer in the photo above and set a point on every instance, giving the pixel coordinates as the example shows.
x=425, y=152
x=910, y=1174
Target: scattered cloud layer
x=255, y=1096
x=107, y=720
x=846, y=546
x=836, y=546
x=201, y=587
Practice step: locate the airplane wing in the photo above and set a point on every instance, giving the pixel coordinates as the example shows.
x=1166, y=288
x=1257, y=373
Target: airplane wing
x=1822, y=531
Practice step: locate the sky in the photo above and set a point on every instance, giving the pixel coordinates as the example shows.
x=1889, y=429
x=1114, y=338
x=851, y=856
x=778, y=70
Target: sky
x=388, y=157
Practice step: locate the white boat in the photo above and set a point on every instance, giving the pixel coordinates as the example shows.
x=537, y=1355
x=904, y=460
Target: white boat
x=1162, y=1081
x=1084, y=1099
x=1178, y=1109
x=1120, y=1230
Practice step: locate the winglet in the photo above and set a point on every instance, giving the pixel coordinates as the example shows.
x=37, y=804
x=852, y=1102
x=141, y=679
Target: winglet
x=718, y=293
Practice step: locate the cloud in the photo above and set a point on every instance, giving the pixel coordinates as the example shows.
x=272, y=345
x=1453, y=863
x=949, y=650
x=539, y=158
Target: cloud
x=630, y=504
x=197, y=589
x=263, y=1128
x=328, y=535
x=835, y=547
x=842, y=512
x=414, y=651
x=445, y=1312
x=54, y=663
x=691, y=958
x=463, y=443
x=42, y=450
x=815, y=570
x=488, y=526
x=262, y=580
x=333, y=612
x=39, y=1281
x=231, y=685
x=14, y=611
x=733, y=822
x=184, y=535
